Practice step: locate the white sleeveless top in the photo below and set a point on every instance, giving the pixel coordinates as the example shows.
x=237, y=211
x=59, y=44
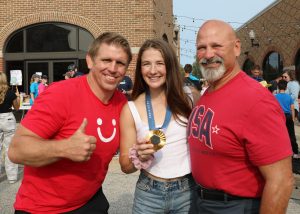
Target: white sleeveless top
x=173, y=160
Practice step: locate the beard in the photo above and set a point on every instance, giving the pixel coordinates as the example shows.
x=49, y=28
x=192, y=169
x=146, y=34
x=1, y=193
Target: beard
x=212, y=74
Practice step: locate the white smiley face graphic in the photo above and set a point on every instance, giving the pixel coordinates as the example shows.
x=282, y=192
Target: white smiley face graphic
x=103, y=139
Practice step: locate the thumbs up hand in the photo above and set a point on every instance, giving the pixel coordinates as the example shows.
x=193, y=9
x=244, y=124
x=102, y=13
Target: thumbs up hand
x=80, y=146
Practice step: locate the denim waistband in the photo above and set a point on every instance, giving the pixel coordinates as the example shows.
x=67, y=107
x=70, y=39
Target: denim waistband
x=184, y=182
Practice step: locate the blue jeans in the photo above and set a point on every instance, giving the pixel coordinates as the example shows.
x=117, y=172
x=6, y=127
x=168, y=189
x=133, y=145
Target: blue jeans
x=152, y=196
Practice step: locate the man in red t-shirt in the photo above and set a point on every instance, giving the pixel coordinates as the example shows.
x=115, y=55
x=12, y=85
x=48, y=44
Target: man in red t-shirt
x=70, y=135
x=239, y=145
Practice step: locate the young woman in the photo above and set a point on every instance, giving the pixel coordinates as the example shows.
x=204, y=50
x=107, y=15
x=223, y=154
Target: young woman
x=34, y=87
x=153, y=133
x=7, y=125
x=293, y=89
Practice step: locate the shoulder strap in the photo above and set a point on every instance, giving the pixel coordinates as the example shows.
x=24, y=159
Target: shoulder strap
x=135, y=114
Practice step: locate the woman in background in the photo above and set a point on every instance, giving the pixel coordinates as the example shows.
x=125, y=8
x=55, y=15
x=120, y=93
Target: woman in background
x=34, y=87
x=43, y=85
x=158, y=105
x=293, y=89
x=7, y=125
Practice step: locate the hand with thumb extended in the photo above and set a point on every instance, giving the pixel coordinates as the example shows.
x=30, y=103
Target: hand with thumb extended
x=80, y=147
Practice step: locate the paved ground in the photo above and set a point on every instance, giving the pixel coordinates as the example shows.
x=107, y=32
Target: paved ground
x=119, y=189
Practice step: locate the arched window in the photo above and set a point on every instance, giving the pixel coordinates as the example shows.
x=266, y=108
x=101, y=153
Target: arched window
x=47, y=48
x=272, y=66
x=165, y=37
x=49, y=37
x=248, y=64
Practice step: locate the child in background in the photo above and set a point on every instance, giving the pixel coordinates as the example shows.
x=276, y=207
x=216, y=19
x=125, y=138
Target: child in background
x=42, y=86
x=287, y=105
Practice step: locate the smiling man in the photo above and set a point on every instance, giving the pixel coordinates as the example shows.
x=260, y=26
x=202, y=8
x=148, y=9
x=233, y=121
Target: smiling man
x=70, y=135
x=240, y=152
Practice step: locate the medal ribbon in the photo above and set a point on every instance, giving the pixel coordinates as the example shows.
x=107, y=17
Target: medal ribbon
x=150, y=114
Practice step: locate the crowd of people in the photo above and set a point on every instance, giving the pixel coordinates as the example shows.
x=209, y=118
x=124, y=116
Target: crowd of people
x=207, y=145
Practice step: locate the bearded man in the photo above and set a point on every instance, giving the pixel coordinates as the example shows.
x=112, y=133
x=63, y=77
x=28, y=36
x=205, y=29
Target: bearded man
x=239, y=145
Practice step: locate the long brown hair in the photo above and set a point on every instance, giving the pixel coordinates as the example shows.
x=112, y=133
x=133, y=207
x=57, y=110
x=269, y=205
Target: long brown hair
x=177, y=100
x=3, y=86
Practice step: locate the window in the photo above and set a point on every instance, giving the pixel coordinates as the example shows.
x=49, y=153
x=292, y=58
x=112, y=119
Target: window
x=85, y=39
x=248, y=66
x=49, y=37
x=165, y=38
x=15, y=44
x=272, y=66
x=48, y=48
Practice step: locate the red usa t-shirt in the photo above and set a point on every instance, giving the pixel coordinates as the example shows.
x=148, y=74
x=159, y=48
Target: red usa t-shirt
x=56, y=114
x=234, y=130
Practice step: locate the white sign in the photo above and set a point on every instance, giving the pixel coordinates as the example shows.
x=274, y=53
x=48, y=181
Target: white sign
x=15, y=77
x=39, y=73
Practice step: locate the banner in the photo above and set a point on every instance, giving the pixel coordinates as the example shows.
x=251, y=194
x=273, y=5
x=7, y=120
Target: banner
x=15, y=77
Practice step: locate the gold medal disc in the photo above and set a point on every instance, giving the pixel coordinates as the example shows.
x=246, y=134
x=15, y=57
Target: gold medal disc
x=157, y=138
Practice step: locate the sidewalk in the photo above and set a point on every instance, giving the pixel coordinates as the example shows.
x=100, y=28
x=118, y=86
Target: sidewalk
x=119, y=187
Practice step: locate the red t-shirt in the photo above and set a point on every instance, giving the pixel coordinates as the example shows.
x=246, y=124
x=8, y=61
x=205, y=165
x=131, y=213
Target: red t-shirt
x=231, y=132
x=56, y=114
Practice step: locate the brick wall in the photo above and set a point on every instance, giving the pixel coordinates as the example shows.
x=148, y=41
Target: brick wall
x=137, y=20
x=277, y=29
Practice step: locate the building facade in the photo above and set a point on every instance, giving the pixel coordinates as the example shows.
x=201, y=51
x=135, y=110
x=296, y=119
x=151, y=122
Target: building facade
x=47, y=36
x=272, y=39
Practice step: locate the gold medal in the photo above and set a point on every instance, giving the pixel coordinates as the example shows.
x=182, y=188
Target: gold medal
x=157, y=138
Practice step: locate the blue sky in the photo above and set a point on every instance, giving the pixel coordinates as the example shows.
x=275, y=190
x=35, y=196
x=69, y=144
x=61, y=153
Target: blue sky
x=192, y=13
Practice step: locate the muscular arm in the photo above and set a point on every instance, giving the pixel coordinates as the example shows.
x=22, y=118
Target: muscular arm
x=29, y=149
x=278, y=187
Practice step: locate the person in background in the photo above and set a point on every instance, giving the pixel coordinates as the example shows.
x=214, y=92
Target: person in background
x=293, y=86
x=34, y=87
x=73, y=70
x=43, y=84
x=68, y=138
x=189, y=79
x=191, y=84
x=204, y=86
x=159, y=103
x=7, y=125
x=67, y=75
x=125, y=87
x=239, y=144
x=287, y=105
x=256, y=73
x=273, y=88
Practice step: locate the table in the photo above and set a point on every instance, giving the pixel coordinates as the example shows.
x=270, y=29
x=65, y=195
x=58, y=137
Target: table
x=24, y=107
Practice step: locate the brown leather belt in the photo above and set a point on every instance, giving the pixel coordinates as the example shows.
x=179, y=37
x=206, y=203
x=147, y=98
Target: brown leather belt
x=217, y=195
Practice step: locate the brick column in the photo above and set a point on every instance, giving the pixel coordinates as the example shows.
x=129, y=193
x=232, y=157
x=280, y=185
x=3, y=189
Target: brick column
x=1, y=64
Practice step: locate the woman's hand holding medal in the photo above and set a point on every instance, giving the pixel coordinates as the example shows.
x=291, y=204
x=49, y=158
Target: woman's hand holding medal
x=141, y=154
x=145, y=150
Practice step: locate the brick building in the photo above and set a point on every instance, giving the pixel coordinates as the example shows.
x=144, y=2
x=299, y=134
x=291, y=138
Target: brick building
x=272, y=39
x=47, y=36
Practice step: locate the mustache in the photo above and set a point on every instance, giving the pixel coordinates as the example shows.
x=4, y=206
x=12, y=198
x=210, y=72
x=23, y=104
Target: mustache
x=211, y=60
